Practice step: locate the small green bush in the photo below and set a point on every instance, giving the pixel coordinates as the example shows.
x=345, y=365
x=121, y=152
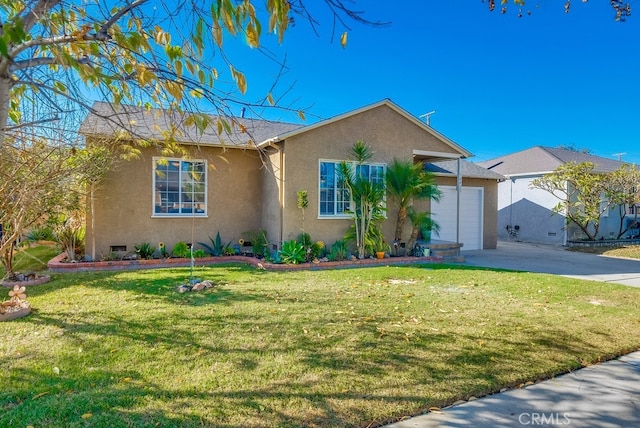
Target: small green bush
x=259, y=242
x=313, y=250
x=200, y=253
x=181, y=249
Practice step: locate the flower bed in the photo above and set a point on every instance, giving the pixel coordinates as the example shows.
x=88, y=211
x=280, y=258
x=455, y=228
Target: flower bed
x=60, y=265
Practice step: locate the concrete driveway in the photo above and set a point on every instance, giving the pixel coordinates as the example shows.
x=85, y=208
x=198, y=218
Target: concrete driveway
x=558, y=261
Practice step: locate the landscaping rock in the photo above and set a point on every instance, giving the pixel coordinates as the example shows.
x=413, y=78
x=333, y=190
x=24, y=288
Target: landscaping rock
x=198, y=287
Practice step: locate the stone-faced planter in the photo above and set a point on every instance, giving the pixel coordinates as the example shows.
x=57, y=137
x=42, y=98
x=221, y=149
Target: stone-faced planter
x=36, y=280
x=15, y=313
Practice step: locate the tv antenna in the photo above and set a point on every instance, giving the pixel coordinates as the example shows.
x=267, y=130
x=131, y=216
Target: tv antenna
x=427, y=117
x=619, y=155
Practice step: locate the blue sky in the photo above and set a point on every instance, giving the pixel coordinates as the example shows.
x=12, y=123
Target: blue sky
x=498, y=83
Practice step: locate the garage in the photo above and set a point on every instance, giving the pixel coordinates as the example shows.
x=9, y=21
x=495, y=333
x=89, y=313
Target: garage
x=471, y=218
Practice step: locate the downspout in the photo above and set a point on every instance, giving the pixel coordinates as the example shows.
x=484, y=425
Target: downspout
x=458, y=192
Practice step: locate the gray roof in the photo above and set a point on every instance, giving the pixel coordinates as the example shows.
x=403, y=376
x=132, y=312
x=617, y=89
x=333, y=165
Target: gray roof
x=468, y=170
x=540, y=159
x=107, y=120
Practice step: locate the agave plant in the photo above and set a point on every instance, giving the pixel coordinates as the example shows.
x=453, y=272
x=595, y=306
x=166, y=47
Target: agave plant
x=292, y=252
x=217, y=247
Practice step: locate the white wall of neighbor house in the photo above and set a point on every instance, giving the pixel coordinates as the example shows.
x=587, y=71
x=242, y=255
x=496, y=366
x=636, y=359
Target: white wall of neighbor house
x=530, y=211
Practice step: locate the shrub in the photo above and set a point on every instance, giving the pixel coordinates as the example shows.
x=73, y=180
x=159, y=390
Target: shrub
x=259, y=242
x=313, y=250
x=317, y=250
x=292, y=252
x=181, y=249
x=200, y=253
x=144, y=250
x=339, y=251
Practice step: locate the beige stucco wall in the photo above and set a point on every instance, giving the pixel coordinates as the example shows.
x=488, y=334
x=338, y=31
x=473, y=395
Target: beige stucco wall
x=388, y=133
x=271, y=220
x=124, y=203
x=490, y=209
x=247, y=191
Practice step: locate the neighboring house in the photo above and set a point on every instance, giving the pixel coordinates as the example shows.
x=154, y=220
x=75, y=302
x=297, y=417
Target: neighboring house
x=525, y=213
x=251, y=180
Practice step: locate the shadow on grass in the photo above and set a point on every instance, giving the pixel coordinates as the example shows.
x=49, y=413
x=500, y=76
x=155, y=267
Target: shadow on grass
x=327, y=376
x=127, y=397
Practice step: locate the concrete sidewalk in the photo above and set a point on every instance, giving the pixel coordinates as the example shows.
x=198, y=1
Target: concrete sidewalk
x=603, y=395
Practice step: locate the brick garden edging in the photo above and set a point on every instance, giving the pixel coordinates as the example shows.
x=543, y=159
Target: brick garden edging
x=58, y=265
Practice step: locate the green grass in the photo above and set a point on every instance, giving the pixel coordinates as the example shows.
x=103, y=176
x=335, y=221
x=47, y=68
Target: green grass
x=32, y=259
x=355, y=347
x=629, y=251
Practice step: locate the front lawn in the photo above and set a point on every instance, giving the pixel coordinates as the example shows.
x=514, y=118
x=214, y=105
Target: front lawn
x=356, y=347
x=31, y=259
x=628, y=251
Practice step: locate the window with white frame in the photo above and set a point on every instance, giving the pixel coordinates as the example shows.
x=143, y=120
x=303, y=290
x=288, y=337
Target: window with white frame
x=335, y=200
x=180, y=187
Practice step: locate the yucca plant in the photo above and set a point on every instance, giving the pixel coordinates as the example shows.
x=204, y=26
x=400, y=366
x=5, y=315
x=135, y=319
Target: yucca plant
x=367, y=196
x=145, y=250
x=70, y=237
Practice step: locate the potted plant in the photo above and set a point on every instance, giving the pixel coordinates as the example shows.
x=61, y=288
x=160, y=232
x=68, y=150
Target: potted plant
x=380, y=246
x=17, y=305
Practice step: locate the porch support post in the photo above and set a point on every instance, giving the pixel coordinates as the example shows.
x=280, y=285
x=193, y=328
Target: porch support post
x=458, y=192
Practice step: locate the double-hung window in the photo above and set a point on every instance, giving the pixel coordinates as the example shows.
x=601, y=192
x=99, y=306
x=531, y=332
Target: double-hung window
x=335, y=200
x=180, y=187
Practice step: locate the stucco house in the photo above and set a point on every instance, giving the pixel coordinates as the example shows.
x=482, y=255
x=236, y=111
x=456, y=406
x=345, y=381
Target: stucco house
x=525, y=213
x=250, y=179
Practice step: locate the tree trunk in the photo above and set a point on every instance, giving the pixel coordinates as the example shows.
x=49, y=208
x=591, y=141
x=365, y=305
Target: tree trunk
x=402, y=216
x=414, y=236
x=7, y=263
x=5, y=98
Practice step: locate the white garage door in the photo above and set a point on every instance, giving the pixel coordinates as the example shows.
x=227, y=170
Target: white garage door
x=471, y=220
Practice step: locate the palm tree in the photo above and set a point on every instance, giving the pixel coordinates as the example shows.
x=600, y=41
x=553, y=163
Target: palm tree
x=406, y=182
x=420, y=221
